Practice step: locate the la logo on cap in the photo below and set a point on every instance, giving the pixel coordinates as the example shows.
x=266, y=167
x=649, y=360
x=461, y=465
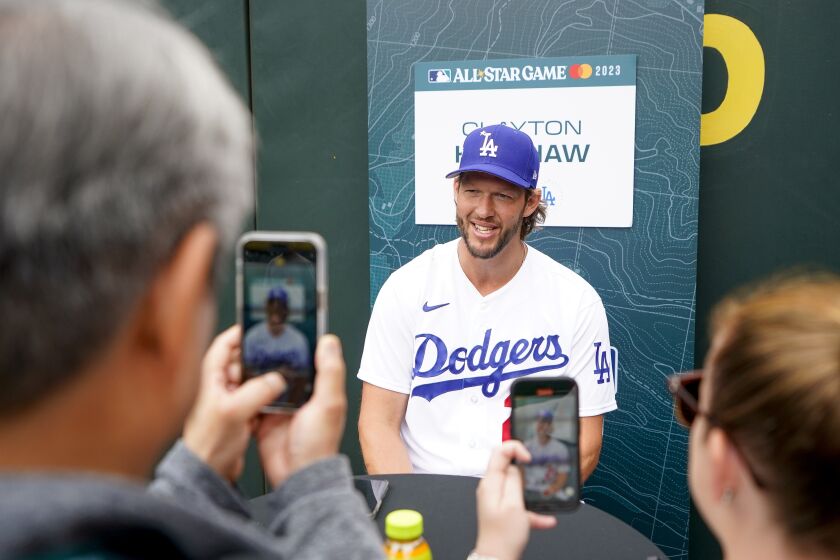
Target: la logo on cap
x=489, y=147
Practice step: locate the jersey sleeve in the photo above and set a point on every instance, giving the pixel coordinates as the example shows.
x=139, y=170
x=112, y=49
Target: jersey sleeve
x=389, y=343
x=593, y=362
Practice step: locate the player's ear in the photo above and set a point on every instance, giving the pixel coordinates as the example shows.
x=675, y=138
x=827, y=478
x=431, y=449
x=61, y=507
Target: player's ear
x=532, y=202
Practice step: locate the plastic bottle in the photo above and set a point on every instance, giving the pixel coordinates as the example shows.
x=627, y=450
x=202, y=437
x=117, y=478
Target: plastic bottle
x=404, y=532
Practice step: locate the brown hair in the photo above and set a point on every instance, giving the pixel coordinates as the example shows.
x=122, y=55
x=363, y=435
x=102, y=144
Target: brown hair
x=776, y=392
x=529, y=223
x=537, y=218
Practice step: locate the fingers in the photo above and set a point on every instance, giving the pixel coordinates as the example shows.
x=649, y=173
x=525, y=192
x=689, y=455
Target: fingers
x=329, y=363
x=251, y=396
x=501, y=473
x=540, y=521
x=270, y=422
x=512, y=493
x=520, y=452
x=503, y=455
x=234, y=371
x=218, y=355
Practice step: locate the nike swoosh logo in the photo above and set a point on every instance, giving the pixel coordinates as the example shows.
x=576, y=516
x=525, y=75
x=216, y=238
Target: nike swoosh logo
x=427, y=307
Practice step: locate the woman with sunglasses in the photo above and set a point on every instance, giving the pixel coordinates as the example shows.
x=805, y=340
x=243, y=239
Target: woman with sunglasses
x=764, y=465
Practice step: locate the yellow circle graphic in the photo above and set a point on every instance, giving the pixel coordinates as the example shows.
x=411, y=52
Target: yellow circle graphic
x=585, y=71
x=744, y=59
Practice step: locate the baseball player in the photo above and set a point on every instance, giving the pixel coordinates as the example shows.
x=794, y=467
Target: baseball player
x=453, y=328
x=273, y=343
x=548, y=472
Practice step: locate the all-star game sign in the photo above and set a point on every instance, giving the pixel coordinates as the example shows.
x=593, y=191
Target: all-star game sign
x=579, y=111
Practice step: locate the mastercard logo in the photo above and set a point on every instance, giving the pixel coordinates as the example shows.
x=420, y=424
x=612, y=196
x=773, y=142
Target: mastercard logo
x=580, y=71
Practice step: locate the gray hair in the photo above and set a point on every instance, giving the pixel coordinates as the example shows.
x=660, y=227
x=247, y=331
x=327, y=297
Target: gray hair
x=119, y=135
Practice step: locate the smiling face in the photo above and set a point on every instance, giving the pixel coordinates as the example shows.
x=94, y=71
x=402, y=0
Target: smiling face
x=489, y=212
x=277, y=312
x=544, y=429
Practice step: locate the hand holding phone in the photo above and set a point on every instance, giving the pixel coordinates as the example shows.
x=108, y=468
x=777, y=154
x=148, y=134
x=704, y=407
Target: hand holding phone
x=221, y=420
x=281, y=303
x=545, y=418
x=289, y=443
x=503, y=522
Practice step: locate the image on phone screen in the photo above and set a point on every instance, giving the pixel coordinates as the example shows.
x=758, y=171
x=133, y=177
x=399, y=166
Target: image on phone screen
x=548, y=426
x=279, y=314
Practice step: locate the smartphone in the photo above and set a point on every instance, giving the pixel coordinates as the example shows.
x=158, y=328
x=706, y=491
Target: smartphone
x=281, y=296
x=545, y=418
x=373, y=491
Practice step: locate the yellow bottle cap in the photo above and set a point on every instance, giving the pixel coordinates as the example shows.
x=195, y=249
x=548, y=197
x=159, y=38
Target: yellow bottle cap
x=404, y=525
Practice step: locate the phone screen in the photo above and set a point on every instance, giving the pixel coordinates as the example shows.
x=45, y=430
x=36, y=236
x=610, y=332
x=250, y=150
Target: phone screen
x=279, y=312
x=545, y=419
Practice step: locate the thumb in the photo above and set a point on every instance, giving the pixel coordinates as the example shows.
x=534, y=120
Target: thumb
x=540, y=521
x=251, y=396
x=329, y=361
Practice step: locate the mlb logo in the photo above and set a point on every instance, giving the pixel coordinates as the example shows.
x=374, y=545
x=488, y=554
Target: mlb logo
x=440, y=75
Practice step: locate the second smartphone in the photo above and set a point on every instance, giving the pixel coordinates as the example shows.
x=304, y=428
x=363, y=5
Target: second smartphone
x=545, y=418
x=281, y=296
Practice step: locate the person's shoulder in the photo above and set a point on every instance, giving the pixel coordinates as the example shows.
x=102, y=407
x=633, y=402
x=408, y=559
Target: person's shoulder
x=256, y=331
x=295, y=332
x=416, y=270
x=561, y=278
x=88, y=516
x=559, y=445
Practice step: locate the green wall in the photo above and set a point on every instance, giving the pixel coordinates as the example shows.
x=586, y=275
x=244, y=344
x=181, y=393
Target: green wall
x=222, y=25
x=769, y=197
x=310, y=109
x=303, y=75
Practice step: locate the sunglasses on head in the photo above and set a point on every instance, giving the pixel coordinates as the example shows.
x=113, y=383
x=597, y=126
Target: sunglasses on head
x=685, y=387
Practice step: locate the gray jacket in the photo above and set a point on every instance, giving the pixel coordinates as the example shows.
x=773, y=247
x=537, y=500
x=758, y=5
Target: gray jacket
x=187, y=512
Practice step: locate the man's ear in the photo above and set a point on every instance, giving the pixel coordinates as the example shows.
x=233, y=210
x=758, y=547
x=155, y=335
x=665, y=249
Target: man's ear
x=532, y=202
x=177, y=297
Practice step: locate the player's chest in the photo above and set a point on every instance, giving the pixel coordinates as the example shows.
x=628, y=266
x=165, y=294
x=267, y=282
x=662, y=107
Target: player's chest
x=490, y=342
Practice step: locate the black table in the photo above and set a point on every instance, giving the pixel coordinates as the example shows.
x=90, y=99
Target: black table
x=448, y=507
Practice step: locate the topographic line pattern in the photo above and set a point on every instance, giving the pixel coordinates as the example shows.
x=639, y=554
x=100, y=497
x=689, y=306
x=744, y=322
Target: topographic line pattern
x=645, y=274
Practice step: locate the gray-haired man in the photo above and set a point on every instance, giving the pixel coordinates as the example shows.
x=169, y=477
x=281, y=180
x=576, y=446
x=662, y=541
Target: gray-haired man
x=125, y=167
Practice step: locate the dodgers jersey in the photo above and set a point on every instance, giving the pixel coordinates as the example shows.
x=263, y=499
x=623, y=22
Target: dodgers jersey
x=262, y=349
x=547, y=462
x=455, y=353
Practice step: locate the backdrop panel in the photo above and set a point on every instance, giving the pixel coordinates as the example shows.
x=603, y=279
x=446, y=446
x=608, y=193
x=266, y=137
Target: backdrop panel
x=645, y=274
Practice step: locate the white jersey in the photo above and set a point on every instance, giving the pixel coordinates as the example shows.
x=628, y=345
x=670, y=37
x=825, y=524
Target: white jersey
x=434, y=337
x=290, y=348
x=547, y=462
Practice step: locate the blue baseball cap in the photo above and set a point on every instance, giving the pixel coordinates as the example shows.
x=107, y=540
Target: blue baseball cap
x=503, y=152
x=545, y=415
x=278, y=294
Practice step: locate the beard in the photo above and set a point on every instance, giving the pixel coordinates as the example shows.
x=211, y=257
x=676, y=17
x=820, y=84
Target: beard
x=504, y=238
